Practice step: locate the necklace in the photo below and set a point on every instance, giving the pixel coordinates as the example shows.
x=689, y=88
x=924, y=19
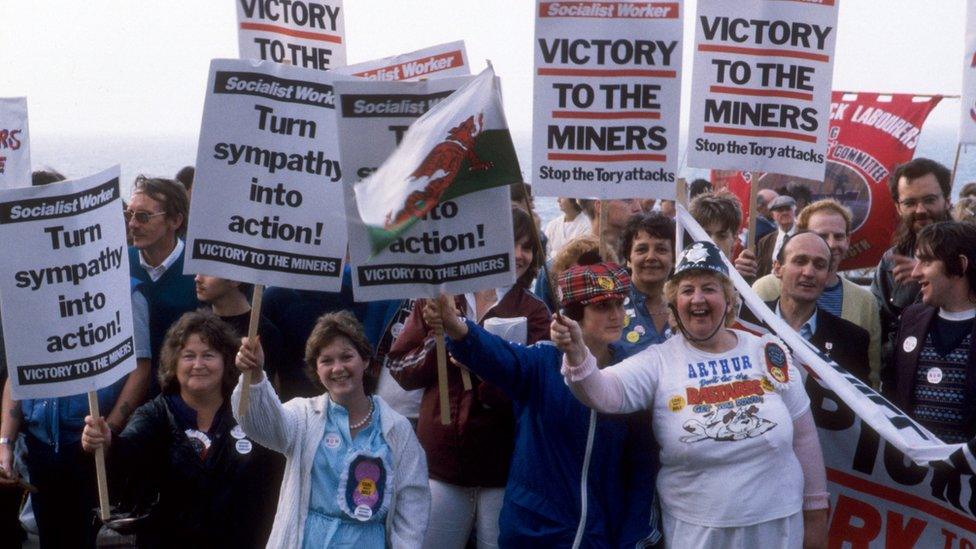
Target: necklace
x=365, y=421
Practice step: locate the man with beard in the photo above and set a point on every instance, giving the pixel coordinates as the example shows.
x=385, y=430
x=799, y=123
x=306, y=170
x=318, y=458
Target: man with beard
x=921, y=190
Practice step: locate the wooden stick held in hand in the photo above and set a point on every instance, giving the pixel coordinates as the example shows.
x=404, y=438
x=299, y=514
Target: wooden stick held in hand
x=103, y=506
x=252, y=332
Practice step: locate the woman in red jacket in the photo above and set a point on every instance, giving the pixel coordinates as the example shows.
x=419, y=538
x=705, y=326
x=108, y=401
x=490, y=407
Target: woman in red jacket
x=468, y=458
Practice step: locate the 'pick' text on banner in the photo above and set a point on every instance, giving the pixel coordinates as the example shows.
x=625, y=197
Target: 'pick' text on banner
x=463, y=244
x=607, y=98
x=15, y=166
x=761, y=86
x=64, y=287
x=434, y=62
x=869, y=135
x=267, y=204
x=302, y=33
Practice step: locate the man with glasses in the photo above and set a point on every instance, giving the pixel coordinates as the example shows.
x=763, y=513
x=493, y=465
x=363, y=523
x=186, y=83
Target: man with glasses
x=156, y=220
x=921, y=190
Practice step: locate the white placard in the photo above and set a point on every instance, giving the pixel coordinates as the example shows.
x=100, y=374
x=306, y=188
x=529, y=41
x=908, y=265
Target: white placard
x=967, y=121
x=761, y=84
x=15, y=166
x=477, y=227
x=607, y=99
x=301, y=33
x=267, y=200
x=434, y=62
x=64, y=287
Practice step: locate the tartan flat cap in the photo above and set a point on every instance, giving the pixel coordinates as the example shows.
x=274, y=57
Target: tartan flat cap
x=586, y=284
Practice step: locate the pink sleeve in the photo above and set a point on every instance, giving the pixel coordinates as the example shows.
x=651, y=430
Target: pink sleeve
x=806, y=445
x=595, y=388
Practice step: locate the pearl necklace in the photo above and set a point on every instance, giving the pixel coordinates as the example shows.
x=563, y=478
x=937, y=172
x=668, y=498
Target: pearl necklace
x=365, y=421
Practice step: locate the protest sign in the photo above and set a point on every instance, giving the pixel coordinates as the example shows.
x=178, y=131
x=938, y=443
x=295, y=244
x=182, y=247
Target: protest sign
x=891, y=482
x=869, y=135
x=464, y=243
x=302, y=33
x=967, y=120
x=15, y=166
x=607, y=98
x=434, y=62
x=64, y=287
x=267, y=202
x=761, y=86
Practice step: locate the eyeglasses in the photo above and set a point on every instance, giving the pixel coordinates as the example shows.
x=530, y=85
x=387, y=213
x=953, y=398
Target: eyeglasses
x=912, y=203
x=141, y=217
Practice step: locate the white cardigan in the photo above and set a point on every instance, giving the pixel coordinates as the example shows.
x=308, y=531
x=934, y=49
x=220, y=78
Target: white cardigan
x=295, y=429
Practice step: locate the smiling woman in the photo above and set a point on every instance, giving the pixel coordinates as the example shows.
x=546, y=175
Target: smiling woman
x=184, y=457
x=356, y=475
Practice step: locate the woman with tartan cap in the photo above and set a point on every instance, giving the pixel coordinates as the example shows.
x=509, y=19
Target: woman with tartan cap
x=560, y=445
x=741, y=464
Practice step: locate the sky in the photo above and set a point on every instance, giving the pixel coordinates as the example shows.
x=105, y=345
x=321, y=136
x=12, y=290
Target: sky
x=98, y=67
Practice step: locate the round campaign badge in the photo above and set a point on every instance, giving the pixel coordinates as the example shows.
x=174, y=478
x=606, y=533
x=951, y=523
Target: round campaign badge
x=396, y=330
x=332, y=441
x=633, y=336
x=909, y=344
x=676, y=403
x=627, y=320
x=237, y=432
x=640, y=329
x=934, y=375
x=363, y=512
x=604, y=282
x=776, y=363
x=243, y=446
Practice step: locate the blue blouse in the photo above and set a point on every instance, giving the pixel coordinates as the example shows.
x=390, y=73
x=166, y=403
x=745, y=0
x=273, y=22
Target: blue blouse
x=639, y=331
x=351, y=485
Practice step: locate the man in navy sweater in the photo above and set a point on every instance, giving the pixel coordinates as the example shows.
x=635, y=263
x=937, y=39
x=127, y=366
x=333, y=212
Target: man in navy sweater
x=156, y=220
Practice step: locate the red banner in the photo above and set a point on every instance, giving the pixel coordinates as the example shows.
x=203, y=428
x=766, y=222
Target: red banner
x=869, y=135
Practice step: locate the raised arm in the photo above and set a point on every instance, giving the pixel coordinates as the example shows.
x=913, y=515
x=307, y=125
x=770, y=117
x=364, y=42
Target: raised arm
x=266, y=420
x=600, y=390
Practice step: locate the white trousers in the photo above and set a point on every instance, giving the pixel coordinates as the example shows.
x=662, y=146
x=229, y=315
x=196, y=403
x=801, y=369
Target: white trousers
x=454, y=510
x=784, y=533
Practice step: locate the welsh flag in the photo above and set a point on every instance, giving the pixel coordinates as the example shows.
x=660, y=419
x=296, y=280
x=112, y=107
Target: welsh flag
x=460, y=146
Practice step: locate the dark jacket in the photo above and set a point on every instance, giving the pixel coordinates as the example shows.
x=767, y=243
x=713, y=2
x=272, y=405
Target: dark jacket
x=227, y=500
x=476, y=447
x=561, y=446
x=843, y=341
x=892, y=300
x=915, y=322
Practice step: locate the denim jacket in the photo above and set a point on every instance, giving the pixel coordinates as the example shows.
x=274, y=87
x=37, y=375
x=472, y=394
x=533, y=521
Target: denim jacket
x=56, y=421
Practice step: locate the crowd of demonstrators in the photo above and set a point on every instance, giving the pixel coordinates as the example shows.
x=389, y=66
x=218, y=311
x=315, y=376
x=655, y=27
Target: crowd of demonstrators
x=700, y=483
x=182, y=462
x=920, y=189
x=627, y=340
x=355, y=475
x=469, y=456
x=839, y=297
